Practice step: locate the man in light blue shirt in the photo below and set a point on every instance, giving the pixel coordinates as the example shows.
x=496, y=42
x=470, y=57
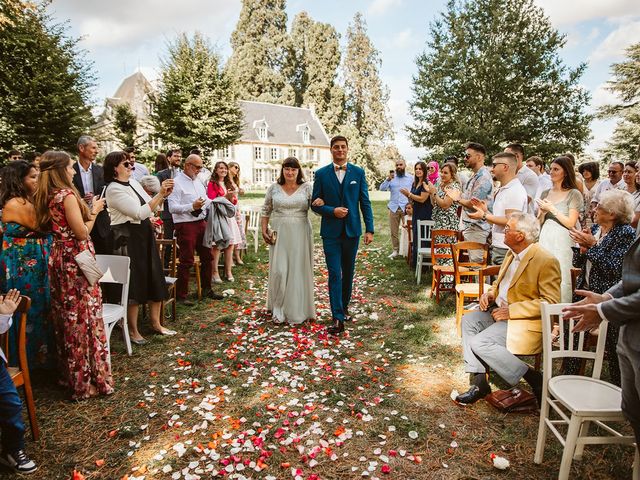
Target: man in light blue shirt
x=397, y=203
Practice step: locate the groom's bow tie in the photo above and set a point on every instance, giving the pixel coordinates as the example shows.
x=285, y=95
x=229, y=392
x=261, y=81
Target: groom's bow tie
x=340, y=167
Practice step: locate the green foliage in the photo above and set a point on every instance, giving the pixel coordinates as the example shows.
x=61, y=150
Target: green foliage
x=625, y=142
x=367, y=116
x=312, y=66
x=125, y=124
x=260, y=43
x=491, y=73
x=45, y=81
x=195, y=103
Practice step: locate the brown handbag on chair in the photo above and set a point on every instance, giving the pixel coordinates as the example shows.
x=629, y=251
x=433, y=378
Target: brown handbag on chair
x=514, y=400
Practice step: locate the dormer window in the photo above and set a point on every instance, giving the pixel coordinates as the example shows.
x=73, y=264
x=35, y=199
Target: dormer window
x=262, y=129
x=304, y=131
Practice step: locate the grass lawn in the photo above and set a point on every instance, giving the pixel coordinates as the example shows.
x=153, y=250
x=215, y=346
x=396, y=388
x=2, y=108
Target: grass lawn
x=236, y=396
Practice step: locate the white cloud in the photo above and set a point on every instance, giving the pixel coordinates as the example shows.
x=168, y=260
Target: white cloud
x=614, y=45
x=403, y=39
x=119, y=23
x=379, y=7
x=602, y=130
x=602, y=96
x=569, y=12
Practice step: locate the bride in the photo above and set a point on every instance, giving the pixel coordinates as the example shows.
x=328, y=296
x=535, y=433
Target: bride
x=286, y=206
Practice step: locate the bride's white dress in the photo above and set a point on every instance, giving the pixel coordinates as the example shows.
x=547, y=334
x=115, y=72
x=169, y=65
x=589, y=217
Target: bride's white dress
x=290, y=294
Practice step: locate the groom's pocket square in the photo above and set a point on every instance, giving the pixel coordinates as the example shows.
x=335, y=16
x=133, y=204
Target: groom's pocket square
x=353, y=182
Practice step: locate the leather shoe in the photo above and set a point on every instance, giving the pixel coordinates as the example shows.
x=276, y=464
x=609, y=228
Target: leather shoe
x=472, y=395
x=213, y=295
x=336, y=328
x=186, y=302
x=347, y=317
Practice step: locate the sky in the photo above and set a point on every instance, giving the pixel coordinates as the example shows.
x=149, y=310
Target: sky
x=122, y=36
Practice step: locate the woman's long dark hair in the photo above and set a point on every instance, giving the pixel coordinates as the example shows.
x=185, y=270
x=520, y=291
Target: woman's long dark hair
x=569, y=180
x=13, y=176
x=291, y=162
x=228, y=184
x=423, y=165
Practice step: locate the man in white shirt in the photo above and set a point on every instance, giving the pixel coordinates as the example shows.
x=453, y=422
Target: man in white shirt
x=139, y=169
x=508, y=322
x=528, y=179
x=11, y=423
x=536, y=165
x=188, y=205
x=615, y=180
x=396, y=181
x=510, y=198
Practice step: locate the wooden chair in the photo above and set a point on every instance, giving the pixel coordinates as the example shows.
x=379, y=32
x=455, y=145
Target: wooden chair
x=169, y=247
x=464, y=273
x=577, y=400
x=20, y=374
x=440, y=271
x=423, y=246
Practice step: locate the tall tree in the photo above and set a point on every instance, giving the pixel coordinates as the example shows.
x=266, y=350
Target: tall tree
x=195, y=103
x=45, y=80
x=125, y=124
x=366, y=109
x=312, y=66
x=260, y=43
x=625, y=141
x=491, y=73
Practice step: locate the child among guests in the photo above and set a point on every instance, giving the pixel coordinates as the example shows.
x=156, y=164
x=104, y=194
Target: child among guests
x=11, y=424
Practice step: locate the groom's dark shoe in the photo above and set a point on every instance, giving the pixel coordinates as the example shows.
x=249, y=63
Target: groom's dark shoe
x=347, y=317
x=336, y=328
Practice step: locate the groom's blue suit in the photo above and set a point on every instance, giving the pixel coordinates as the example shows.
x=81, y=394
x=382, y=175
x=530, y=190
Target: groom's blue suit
x=340, y=236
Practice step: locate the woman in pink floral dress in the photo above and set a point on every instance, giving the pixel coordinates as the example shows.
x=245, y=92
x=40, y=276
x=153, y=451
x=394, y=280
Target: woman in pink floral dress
x=76, y=305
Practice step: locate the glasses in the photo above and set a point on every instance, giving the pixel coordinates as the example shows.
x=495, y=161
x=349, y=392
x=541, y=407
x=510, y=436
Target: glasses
x=509, y=229
x=613, y=171
x=498, y=163
x=467, y=155
x=127, y=164
x=197, y=167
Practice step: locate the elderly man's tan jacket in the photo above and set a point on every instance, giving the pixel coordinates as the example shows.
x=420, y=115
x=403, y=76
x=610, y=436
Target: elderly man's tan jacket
x=537, y=279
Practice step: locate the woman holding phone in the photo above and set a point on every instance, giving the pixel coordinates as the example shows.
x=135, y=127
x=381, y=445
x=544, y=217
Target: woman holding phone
x=420, y=200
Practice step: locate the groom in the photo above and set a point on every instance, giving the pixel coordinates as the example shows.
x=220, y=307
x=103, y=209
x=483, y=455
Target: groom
x=343, y=188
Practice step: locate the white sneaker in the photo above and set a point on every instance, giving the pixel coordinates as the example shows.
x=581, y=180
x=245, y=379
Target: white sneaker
x=393, y=255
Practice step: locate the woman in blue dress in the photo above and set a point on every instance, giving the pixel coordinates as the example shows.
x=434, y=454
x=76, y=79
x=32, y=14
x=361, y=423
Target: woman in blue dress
x=23, y=262
x=421, y=202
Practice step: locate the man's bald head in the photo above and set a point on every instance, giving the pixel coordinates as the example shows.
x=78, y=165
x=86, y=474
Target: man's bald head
x=192, y=165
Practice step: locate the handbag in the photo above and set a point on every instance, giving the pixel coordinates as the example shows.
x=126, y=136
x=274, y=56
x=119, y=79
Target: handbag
x=89, y=266
x=514, y=400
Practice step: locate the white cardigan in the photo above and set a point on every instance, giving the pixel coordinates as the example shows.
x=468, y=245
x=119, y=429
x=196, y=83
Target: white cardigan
x=124, y=205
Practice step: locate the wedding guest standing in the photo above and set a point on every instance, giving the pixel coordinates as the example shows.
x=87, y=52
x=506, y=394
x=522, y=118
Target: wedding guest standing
x=445, y=213
x=76, y=306
x=286, y=208
x=234, y=175
x=23, y=262
x=590, y=172
x=221, y=185
x=394, y=183
x=560, y=209
x=130, y=208
x=420, y=202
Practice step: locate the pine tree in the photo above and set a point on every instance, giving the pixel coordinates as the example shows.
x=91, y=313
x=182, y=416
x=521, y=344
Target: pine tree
x=625, y=141
x=312, y=69
x=367, y=114
x=260, y=43
x=45, y=81
x=492, y=74
x=195, y=103
x=125, y=124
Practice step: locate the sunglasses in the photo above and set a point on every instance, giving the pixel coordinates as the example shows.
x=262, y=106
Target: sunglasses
x=467, y=155
x=127, y=164
x=498, y=163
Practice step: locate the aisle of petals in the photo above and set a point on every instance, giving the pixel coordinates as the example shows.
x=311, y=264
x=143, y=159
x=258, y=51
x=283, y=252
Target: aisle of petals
x=281, y=402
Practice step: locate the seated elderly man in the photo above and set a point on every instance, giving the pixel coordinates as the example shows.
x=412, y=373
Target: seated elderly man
x=509, y=321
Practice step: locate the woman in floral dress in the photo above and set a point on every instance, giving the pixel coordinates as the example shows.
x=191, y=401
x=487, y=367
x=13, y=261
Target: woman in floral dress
x=23, y=263
x=445, y=212
x=76, y=306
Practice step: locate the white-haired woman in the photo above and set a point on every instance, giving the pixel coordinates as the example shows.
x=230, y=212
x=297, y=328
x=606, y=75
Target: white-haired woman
x=600, y=258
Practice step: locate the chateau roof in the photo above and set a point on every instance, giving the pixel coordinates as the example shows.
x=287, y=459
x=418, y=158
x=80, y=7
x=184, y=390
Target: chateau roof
x=284, y=124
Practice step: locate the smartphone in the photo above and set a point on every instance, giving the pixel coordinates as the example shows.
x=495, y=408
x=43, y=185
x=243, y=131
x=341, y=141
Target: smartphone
x=104, y=189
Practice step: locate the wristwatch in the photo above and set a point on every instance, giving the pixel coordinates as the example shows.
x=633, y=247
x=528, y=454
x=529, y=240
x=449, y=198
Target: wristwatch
x=484, y=217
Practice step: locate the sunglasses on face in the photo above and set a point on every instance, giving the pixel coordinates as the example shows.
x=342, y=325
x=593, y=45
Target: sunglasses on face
x=498, y=163
x=127, y=164
x=467, y=155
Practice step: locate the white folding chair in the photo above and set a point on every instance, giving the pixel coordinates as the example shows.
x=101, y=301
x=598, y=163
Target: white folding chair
x=253, y=225
x=422, y=244
x=577, y=400
x=116, y=270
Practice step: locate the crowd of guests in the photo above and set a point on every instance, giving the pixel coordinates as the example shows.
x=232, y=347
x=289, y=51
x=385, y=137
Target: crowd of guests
x=53, y=209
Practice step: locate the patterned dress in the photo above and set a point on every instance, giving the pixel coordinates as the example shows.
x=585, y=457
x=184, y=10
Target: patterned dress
x=446, y=219
x=23, y=262
x=77, y=311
